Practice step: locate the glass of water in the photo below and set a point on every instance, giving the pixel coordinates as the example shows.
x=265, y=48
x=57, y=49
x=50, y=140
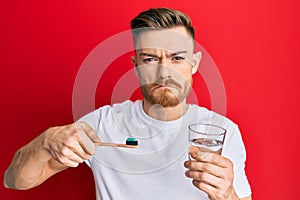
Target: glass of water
x=206, y=138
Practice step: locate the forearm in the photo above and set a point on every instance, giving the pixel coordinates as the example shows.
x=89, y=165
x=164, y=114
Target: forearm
x=30, y=166
x=51, y=152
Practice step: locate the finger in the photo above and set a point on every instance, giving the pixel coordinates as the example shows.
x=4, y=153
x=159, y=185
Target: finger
x=84, y=140
x=205, y=177
x=91, y=133
x=211, y=158
x=69, y=154
x=205, y=167
x=65, y=161
x=69, y=158
x=207, y=188
x=78, y=149
x=69, y=163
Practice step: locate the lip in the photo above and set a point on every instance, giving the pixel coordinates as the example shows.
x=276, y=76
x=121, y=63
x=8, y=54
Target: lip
x=166, y=86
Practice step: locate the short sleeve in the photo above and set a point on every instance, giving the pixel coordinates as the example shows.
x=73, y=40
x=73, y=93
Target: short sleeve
x=234, y=149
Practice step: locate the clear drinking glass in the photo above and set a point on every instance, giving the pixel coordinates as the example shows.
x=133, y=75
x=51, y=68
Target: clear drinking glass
x=206, y=138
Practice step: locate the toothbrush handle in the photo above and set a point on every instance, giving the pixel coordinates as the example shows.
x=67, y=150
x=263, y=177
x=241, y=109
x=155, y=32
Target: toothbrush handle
x=115, y=145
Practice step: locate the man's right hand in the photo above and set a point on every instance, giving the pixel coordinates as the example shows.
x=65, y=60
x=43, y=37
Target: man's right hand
x=52, y=151
x=70, y=144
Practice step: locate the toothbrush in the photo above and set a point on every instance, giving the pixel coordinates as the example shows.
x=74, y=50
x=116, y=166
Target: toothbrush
x=130, y=143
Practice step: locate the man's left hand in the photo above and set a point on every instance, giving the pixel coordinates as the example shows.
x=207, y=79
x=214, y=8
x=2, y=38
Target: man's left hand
x=213, y=174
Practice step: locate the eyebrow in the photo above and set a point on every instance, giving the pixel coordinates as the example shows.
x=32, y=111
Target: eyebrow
x=178, y=52
x=170, y=55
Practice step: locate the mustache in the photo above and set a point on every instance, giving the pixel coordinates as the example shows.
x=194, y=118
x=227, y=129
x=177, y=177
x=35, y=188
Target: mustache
x=166, y=83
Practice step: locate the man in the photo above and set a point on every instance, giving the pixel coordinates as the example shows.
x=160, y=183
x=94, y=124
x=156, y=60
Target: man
x=159, y=169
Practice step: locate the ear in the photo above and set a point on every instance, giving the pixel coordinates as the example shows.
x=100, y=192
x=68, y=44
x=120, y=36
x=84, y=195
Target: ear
x=133, y=60
x=196, y=60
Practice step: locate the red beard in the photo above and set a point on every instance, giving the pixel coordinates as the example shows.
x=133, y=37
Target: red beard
x=164, y=97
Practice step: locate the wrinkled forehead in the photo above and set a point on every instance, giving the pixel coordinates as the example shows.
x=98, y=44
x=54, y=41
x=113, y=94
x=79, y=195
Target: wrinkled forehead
x=171, y=40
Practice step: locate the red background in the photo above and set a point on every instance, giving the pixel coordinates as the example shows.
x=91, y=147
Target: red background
x=255, y=44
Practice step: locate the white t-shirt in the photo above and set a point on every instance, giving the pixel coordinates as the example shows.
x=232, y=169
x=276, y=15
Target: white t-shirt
x=155, y=170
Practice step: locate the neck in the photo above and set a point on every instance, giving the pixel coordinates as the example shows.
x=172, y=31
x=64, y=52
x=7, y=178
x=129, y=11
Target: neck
x=165, y=113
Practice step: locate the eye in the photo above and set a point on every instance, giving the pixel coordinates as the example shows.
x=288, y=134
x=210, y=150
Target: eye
x=178, y=58
x=150, y=60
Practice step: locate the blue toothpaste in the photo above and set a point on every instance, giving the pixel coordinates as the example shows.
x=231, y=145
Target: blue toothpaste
x=131, y=141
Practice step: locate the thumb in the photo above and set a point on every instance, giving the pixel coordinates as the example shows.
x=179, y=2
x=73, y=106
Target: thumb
x=88, y=137
x=91, y=133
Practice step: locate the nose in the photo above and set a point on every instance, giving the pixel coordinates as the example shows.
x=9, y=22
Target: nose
x=162, y=70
